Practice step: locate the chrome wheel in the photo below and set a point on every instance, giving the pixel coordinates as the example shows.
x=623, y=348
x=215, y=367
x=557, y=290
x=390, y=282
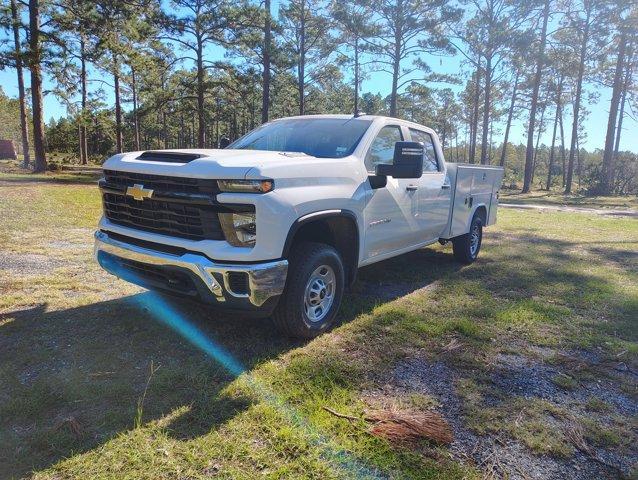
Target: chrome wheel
x=319, y=293
x=475, y=239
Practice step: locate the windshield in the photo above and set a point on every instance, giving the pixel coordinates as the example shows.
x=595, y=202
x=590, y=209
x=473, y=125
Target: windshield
x=319, y=137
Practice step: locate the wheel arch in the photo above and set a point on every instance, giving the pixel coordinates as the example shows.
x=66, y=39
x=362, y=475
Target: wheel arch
x=481, y=211
x=337, y=228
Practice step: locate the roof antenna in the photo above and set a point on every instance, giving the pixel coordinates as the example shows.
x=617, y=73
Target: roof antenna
x=358, y=114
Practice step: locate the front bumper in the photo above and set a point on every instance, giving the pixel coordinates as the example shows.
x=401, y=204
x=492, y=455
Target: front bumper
x=254, y=286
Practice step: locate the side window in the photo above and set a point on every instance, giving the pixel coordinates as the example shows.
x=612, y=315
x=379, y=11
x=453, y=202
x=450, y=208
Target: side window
x=382, y=149
x=430, y=163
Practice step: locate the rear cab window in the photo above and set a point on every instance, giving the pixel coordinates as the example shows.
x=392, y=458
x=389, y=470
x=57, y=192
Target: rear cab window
x=430, y=160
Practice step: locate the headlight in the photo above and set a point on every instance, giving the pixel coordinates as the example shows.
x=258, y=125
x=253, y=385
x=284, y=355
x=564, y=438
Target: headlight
x=246, y=186
x=239, y=228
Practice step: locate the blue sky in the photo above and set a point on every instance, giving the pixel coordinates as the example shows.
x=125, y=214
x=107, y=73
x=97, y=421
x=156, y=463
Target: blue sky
x=378, y=82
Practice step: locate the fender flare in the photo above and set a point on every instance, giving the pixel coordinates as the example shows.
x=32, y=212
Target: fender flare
x=351, y=261
x=474, y=210
x=320, y=215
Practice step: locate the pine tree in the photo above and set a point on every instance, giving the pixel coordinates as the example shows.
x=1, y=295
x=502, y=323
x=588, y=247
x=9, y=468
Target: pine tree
x=353, y=20
x=409, y=30
x=197, y=24
x=307, y=38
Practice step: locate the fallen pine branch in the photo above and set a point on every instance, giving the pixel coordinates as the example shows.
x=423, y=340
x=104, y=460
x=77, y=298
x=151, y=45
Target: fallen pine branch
x=409, y=426
x=340, y=415
x=404, y=426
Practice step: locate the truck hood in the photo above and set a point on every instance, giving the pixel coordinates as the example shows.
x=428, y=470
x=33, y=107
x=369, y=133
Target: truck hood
x=212, y=163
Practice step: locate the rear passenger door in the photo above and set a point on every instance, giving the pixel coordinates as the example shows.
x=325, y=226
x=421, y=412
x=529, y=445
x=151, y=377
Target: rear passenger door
x=434, y=193
x=391, y=212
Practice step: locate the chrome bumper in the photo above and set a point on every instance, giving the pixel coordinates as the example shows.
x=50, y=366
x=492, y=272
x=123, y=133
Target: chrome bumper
x=265, y=280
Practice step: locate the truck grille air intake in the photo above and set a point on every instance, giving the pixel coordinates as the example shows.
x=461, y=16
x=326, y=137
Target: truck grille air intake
x=179, y=207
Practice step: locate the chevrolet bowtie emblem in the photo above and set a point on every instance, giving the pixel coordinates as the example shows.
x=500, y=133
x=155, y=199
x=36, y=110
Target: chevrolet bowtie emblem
x=138, y=192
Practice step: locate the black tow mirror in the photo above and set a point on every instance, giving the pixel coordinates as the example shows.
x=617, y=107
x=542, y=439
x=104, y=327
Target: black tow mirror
x=407, y=163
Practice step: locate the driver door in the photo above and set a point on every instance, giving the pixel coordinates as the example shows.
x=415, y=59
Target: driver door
x=391, y=212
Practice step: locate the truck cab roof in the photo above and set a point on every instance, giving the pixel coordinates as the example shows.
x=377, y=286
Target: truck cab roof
x=372, y=118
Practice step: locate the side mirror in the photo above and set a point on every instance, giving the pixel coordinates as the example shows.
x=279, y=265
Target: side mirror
x=407, y=162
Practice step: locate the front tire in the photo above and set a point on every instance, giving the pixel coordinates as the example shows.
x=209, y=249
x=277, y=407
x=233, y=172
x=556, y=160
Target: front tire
x=466, y=247
x=313, y=293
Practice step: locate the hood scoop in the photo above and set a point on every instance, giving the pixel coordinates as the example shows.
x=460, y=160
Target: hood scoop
x=168, y=157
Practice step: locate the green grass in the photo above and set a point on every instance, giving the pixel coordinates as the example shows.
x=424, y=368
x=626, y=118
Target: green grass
x=557, y=198
x=526, y=421
x=595, y=404
x=11, y=171
x=565, y=381
x=76, y=347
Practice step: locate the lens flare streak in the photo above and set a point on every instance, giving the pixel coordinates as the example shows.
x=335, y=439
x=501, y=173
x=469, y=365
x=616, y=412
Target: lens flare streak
x=340, y=460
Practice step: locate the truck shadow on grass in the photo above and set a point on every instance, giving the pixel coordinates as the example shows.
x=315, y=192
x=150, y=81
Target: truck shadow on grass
x=73, y=379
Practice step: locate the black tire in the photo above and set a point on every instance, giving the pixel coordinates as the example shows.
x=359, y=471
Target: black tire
x=465, y=251
x=291, y=315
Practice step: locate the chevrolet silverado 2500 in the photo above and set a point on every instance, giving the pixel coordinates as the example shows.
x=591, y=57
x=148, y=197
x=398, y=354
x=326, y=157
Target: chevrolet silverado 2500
x=279, y=222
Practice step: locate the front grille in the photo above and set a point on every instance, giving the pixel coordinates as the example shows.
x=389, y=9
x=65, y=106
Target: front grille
x=180, y=207
x=161, y=183
x=193, y=222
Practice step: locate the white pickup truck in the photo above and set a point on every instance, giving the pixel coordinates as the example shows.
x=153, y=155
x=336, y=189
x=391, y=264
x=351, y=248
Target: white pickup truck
x=279, y=222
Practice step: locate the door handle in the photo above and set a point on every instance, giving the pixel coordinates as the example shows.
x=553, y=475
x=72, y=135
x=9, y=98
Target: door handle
x=411, y=188
x=445, y=186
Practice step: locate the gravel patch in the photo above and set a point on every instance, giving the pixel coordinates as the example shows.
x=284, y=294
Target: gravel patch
x=525, y=377
x=29, y=264
x=501, y=456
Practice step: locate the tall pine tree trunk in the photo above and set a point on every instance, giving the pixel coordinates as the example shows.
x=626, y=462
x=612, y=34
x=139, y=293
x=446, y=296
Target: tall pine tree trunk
x=24, y=129
x=356, y=76
x=265, y=99
x=562, y=145
x=201, y=119
x=486, y=109
x=623, y=99
x=510, y=114
x=118, y=105
x=579, y=91
x=475, y=114
x=608, y=155
x=550, y=163
x=35, y=66
x=529, y=152
x=395, y=81
x=538, y=140
x=84, y=154
x=396, y=60
x=136, y=120
x=164, y=131
x=301, y=68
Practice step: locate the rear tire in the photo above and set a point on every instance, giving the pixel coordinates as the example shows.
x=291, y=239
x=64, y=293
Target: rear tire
x=314, y=288
x=467, y=247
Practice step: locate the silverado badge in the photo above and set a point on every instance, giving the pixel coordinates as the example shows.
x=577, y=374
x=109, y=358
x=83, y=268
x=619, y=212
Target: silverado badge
x=138, y=192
